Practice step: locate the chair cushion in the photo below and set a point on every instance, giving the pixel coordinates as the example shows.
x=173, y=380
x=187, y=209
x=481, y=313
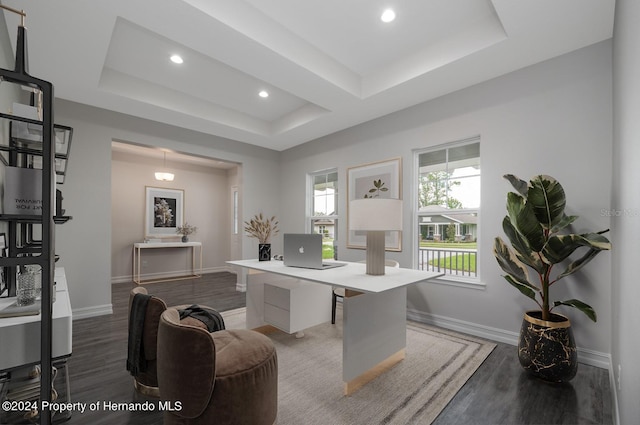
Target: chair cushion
x=239, y=349
x=246, y=384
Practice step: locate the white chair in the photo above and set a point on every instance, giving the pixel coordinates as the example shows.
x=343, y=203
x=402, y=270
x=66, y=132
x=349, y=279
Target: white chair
x=339, y=292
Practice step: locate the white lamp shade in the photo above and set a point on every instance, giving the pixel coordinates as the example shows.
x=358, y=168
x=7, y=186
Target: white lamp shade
x=375, y=214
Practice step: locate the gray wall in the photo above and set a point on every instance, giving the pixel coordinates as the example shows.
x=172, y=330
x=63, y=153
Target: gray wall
x=552, y=118
x=206, y=205
x=84, y=243
x=626, y=198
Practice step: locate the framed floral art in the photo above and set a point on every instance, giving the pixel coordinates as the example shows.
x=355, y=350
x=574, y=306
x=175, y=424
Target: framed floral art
x=164, y=211
x=381, y=179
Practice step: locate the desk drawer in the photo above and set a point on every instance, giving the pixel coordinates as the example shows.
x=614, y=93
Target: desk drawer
x=277, y=317
x=277, y=296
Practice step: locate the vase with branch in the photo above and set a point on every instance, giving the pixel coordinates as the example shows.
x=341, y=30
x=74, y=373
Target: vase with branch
x=262, y=228
x=186, y=230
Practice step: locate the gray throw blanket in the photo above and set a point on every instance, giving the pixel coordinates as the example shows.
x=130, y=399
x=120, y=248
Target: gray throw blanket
x=136, y=361
x=211, y=318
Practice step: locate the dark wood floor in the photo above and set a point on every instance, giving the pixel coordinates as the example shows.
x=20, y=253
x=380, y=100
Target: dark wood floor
x=498, y=393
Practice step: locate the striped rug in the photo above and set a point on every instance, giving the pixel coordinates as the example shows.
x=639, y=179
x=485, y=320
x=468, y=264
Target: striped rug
x=437, y=364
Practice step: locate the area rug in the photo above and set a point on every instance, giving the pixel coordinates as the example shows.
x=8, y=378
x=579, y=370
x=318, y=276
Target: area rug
x=310, y=387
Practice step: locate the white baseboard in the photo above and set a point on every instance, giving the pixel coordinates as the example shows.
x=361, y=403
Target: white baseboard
x=594, y=358
x=163, y=275
x=586, y=356
x=486, y=332
x=121, y=279
x=614, y=394
x=86, y=312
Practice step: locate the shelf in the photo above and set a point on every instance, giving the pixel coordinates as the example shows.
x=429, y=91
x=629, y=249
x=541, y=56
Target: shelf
x=20, y=218
x=24, y=139
x=19, y=118
x=39, y=134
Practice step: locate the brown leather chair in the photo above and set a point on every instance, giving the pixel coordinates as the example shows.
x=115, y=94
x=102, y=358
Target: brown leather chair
x=223, y=377
x=146, y=382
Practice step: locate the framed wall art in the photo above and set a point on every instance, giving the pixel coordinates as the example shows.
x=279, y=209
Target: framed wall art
x=164, y=211
x=374, y=180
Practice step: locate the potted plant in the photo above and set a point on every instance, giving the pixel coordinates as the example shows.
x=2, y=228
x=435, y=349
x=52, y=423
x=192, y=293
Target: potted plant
x=536, y=225
x=185, y=231
x=262, y=228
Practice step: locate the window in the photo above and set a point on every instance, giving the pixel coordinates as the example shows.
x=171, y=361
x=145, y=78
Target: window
x=448, y=198
x=323, y=209
x=235, y=210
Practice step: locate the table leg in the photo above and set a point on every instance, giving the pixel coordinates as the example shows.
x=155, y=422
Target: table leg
x=374, y=335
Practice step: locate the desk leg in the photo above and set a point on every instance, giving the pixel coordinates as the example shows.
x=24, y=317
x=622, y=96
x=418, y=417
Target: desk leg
x=374, y=335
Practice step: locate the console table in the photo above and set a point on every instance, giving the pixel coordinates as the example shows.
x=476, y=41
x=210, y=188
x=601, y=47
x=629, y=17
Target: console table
x=196, y=254
x=374, y=311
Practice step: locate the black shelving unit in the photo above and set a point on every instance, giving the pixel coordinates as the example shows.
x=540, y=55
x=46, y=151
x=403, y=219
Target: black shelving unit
x=23, y=246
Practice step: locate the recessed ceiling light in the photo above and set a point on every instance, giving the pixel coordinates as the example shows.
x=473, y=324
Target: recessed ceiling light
x=263, y=93
x=176, y=59
x=388, y=15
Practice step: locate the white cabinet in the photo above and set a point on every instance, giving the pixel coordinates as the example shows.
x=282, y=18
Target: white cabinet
x=293, y=305
x=20, y=335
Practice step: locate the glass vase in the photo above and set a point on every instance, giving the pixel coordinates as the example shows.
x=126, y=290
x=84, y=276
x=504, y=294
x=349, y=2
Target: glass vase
x=26, y=289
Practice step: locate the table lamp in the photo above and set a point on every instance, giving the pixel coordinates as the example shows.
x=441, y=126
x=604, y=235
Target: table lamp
x=375, y=216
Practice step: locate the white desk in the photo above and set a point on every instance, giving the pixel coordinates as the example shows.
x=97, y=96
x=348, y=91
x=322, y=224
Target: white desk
x=374, y=312
x=20, y=336
x=196, y=268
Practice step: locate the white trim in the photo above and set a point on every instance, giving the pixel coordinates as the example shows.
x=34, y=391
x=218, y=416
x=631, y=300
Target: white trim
x=309, y=200
x=87, y=312
x=122, y=279
x=129, y=278
x=415, y=213
x=585, y=356
x=594, y=358
x=460, y=281
x=493, y=334
x=614, y=394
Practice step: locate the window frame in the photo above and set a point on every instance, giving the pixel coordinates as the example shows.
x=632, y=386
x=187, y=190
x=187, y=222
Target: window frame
x=310, y=214
x=456, y=280
x=235, y=211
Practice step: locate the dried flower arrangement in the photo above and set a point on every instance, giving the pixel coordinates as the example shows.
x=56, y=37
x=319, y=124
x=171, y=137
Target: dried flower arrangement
x=261, y=228
x=186, y=230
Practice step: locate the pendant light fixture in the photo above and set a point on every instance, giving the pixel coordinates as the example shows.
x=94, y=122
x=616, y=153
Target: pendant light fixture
x=164, y=175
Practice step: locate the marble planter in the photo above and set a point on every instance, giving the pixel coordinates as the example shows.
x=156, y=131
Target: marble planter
x=547, y=349
x=264, y=252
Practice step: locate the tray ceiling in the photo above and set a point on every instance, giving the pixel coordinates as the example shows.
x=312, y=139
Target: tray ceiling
x=326, y=64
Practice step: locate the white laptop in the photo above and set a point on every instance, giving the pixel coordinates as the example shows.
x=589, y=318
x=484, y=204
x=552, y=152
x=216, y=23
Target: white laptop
x=305, y=250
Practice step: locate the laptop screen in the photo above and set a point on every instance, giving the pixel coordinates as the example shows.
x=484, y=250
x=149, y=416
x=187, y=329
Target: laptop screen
x=303, y=250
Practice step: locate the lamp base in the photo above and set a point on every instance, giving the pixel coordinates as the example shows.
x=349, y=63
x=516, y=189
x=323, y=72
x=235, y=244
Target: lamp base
x=375, y=252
